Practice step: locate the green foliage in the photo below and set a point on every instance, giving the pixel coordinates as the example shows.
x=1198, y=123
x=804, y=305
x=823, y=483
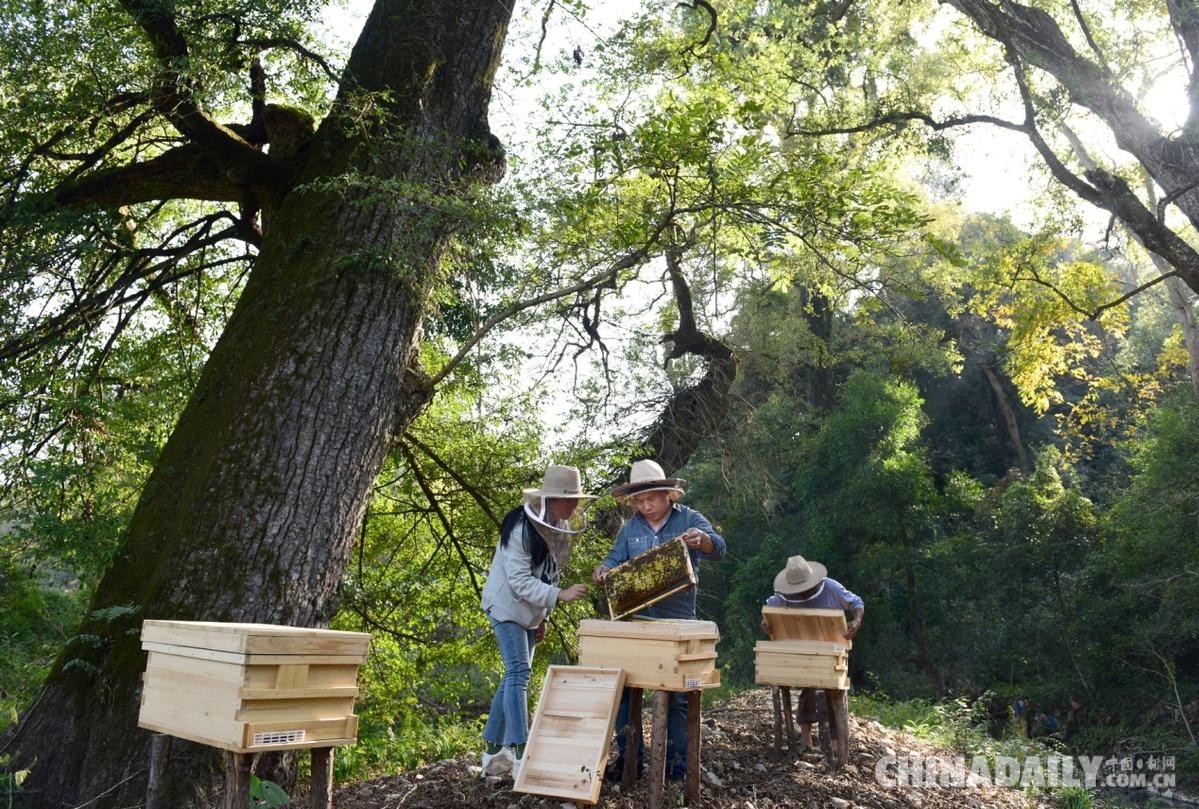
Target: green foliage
x=267, y=794
x=961, y=725
x=1073, y=798
x=35, y=617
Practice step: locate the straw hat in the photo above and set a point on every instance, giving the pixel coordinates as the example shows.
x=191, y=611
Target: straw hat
x=562, y=483
x=799, y=575
x=647, y=476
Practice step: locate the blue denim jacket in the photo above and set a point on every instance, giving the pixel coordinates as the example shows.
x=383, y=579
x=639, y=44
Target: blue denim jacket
x=636, y=537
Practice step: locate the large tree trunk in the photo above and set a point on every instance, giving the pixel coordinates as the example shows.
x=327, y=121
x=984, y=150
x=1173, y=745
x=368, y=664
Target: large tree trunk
x=251, y=511
x=818, y=381
x=1008, y=413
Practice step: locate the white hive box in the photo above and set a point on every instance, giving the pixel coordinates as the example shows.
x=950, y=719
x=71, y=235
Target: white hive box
x=251, y=687
x=668, y=655
x=807, y=649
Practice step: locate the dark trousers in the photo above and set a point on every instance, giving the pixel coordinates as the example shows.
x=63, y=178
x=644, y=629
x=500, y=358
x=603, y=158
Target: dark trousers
x=676, y=734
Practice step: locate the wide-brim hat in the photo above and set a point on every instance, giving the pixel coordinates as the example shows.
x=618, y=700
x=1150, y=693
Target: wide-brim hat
x=559, y=483
x=647, y=476
x=799, y=575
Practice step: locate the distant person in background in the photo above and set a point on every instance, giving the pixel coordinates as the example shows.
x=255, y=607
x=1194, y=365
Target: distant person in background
x=1046, y=725
x=806, y=585
x=521, y=589
x=659, y=519
x=1020, y=713
x=1074, y=716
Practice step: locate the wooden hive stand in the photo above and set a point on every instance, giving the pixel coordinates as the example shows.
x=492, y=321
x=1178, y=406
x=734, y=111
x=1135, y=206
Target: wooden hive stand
x=249, y=688
x=807, y=650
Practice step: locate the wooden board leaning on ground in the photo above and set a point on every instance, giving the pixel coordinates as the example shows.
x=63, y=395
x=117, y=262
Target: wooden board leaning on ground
x=251, y=687
x=649, y=578
x=808, y=649
x=568, y=742
x=667, y=655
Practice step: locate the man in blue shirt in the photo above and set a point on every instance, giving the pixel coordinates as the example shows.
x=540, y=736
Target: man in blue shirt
x=659, y=519
x=805, y=585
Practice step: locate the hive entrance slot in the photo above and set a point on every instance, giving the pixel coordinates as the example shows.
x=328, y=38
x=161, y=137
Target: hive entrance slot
x=279, y=737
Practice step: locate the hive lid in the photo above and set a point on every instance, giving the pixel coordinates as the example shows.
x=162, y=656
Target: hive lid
x=787, y=623
x=650, y=629
x=258, y=639
x=568, y=742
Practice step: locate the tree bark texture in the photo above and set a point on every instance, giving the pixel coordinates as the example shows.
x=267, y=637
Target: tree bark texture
x=251, y=510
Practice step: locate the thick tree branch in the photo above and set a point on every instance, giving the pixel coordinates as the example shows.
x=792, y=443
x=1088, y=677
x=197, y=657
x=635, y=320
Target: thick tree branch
x=901, y=117
x=695, y=412
x=173, y=98
x=1184, y=16
x=185, y=172
x=1111, y=193
x=1035, y=37
x=706, y=6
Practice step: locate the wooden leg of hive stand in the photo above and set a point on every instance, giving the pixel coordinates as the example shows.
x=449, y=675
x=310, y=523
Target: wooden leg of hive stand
x=322, y=778
x=657, y=749
x=839, y=716
x=776, y=700
x=160, y=757
x=822, y=711
x=237, y=780
x=788, y=717
x=694, y=742
x=632, y=740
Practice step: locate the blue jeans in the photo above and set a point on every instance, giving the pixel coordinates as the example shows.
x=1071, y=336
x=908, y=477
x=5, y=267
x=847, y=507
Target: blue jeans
x=676, y=734
x=508, y=722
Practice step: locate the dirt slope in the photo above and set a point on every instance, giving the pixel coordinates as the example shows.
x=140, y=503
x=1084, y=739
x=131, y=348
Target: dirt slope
x=741, y=773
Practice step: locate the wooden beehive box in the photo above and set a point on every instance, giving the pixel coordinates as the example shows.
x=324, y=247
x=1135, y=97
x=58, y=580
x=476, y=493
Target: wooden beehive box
x=667, y=655
x=807, y=649
x=568, y=742
x=251, y=687
x=648, y=578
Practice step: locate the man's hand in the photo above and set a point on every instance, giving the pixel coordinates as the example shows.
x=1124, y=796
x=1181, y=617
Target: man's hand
x=698, y=540
x=572, y=593
x=765, y=626
x=539, y=633
x=852, y=628
x=599, y=574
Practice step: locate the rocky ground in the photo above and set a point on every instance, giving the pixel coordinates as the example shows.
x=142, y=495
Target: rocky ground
x=740, y=772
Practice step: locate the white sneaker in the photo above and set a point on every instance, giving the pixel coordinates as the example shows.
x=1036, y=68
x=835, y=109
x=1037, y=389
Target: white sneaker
x=516, y=762
x=498, y=763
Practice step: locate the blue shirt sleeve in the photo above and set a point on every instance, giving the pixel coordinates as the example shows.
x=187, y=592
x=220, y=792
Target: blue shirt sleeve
x=845, y=599
x=697, y=520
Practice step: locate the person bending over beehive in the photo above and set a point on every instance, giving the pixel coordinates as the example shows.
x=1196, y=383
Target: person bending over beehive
x=659, y=518
x=806, y=585
x=521, y=589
